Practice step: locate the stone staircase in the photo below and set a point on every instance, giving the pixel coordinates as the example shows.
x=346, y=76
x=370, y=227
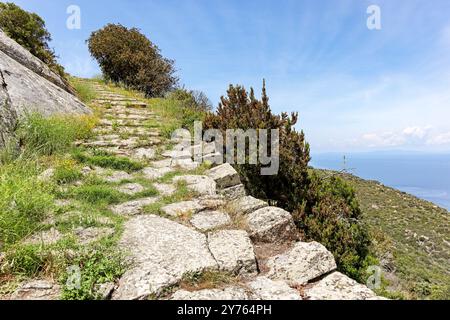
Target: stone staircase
x=220, y=230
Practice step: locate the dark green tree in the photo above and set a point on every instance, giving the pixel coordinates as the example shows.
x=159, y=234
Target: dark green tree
x=324, y=208
x=126, y=56
x=28, y=29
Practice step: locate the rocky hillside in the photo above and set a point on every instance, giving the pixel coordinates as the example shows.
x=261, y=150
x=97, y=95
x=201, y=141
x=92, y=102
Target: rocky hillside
x=186, y=231
x=412, y=240
x=28, y=85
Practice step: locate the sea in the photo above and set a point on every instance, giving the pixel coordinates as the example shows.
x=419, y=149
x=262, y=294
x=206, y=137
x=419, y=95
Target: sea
x=426, y=176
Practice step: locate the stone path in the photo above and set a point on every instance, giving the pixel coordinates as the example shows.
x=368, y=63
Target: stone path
x=216, y=231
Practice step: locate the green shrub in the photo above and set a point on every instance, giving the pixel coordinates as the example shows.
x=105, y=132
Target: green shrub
x=192, y=99
x=324, y=210
x=54, y=135
x=242, y=111
x=127, y=57
x=332, y=217
x=24, y=200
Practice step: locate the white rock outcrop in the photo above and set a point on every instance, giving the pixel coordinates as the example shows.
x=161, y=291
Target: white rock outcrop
x=225, y=176
x=337, y=286
x=302, y=263
x=161, y=251
x=233, y=251
x=271, y=224
x=266, y=289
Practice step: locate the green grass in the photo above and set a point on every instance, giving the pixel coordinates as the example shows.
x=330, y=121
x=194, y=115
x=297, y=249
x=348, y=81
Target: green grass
x=54, y=135
x=96, y=267
x=97, y=194
x=84, y=91
x=66, y=172
x=105, y=160
x=24, y=200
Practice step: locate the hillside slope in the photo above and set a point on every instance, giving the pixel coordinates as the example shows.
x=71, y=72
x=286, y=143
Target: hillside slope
x=412, y=240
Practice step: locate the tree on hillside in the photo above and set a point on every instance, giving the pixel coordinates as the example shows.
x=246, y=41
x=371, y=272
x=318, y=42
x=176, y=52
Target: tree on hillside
x=126, y=56
x=28, y=29
x=325, y=210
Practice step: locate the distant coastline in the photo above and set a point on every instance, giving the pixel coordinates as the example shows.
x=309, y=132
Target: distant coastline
x=426, y=176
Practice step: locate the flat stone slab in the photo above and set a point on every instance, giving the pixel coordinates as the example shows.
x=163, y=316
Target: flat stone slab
x=247, y=205
x=209, y=220
x=162, y=251
x=266, y=289
x=117, y=176
x=177, y=154
x=233, y=251
x=183, y=208
x=227, y=294
x=271, y=224
x=144, y=154
x=301, y=264
x=233, y=193
x=134, y=207
x=89, y=235
x=47, y=237
x=131, y=188
x=337, y=286
x=166, y=163
x=225, y=176
x=184, y=164
x=37, y=290
x=156, y=173
x=202, y=185
x=165, y=189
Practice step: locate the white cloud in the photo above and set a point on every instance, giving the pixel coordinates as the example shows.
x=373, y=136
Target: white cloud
x=440, y=139
x=410, y=136
x=416, y=132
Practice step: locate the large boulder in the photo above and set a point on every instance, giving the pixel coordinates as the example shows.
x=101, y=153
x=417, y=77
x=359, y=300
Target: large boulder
x=265, y=289
x=302, y=263
x=8, y=116
x=271, y=224
x=337, y=286
x=233, y=251
x=225, y=176
x=29, y=92
x=31, y=85
x=37, y=290
x=161, y=252
x=226, y=294
x=25, y=58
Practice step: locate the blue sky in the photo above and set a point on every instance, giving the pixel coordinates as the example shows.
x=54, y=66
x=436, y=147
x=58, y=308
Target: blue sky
x=355, y=89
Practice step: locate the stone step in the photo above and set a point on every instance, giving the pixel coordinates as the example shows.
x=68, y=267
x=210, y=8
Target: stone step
x=225, y=176
x=132, y=131
x=301, y=264
x=271, y=225
x=130, y=111
x=162, y=252
x=122, y=116
x=124, y=123
x=124, y=104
